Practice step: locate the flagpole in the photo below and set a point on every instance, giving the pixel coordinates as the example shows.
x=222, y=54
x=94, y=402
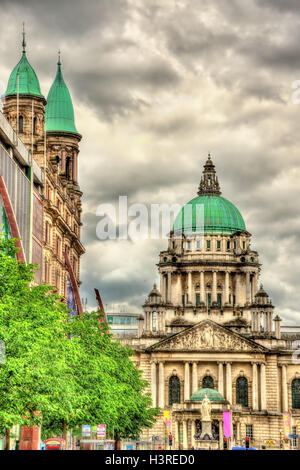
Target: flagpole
x=17, y=127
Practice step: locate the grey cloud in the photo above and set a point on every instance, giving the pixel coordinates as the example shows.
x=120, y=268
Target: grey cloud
x=155, y=85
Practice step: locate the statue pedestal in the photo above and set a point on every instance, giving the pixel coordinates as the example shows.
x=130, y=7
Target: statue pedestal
x=207, y=445
x=206, y=440
x=206, y=433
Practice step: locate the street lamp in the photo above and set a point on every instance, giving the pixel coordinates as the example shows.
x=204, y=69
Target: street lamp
x=280, y=432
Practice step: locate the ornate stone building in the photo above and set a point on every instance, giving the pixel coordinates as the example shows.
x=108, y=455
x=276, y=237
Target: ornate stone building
x=47, y=128
x=211, y=330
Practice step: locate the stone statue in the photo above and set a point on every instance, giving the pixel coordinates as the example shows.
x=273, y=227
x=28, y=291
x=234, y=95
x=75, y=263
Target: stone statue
x=206, y=409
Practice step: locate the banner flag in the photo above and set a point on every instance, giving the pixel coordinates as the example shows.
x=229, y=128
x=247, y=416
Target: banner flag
x=286, y=424
x=227, y=423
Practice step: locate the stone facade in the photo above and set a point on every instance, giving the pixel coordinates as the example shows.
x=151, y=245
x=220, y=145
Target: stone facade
x=57, y=155
x=210, y=321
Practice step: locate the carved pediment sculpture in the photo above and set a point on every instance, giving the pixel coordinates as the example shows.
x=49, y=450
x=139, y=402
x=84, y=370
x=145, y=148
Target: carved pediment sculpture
x=207, y=335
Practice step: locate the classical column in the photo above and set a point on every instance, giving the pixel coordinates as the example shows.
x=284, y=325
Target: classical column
x=147, y=327
x=187, y=381
x=214, y=287
x=169, y=293
x=194, y=377
x=179, y=289
x=221, y=433
x=228, y=382
x=248, y=288
x=263, y=387
x=190, y=287
x=177, y=434
x=75, y=170
x=202, y=288
x=193, y=432
x=270, y=322
x=162, y=286
x=185, y=435
x=153, y=383
x=221, y=378
x=161, y=385
x=254, y=386
x=226, y=293
x=237, y=289
x=285, y=406
x=254, y=285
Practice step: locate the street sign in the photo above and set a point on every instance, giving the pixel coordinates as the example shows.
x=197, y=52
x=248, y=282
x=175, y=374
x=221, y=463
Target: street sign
x=101, y=431
x=86, y=430
x=293, y=436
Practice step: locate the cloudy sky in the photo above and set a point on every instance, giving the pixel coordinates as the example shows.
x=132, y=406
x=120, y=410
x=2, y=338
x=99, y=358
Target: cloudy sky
x=156, y=84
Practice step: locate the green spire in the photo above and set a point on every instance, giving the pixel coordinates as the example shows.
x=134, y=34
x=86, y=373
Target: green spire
x=59, y=109
x=23, y=78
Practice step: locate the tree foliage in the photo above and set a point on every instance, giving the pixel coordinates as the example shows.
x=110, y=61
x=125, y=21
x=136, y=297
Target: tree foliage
x=69, y=370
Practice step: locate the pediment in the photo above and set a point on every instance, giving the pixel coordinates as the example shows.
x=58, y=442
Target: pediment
x=207, y=336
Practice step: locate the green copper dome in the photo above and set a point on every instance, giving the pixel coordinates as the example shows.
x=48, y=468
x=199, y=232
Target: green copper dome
x=59, y=110
x=213, y=395
x=28, y=81
x=219, y=214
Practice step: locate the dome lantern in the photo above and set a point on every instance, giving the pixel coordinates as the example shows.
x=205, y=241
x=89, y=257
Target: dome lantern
x=220, y=215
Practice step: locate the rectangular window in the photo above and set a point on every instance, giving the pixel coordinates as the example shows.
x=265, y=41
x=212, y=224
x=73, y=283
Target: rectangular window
x=228, y=245
x=197, y=300
x=249, y=431
x=207, y=245
x=234, y=300
x=218, y=245
x=234, y=431
x=219, y=299
x=198, y=244
x=188, y=245
x=244, y=245
x=294, y=441
x=208, y=299
x=234, y=245
x=183, y=300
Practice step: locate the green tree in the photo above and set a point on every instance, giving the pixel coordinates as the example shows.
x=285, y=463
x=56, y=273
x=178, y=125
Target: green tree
x=110, y=389
x=69, y=370
x=33, y=327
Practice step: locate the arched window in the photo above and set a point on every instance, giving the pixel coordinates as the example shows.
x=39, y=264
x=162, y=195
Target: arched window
x=296, y=394
x=68, y=161
x=242, y=391
x=208, y=382
x=34, y=125
x=21, y=124
x=174, y=390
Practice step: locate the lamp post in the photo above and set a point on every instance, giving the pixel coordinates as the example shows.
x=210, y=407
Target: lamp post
x=280, y=432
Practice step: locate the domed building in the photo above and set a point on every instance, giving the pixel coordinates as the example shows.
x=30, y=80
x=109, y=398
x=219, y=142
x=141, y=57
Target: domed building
x=210, y=330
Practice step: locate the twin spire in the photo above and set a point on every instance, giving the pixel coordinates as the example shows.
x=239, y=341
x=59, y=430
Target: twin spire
x=209, y=184
x=59, y=111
